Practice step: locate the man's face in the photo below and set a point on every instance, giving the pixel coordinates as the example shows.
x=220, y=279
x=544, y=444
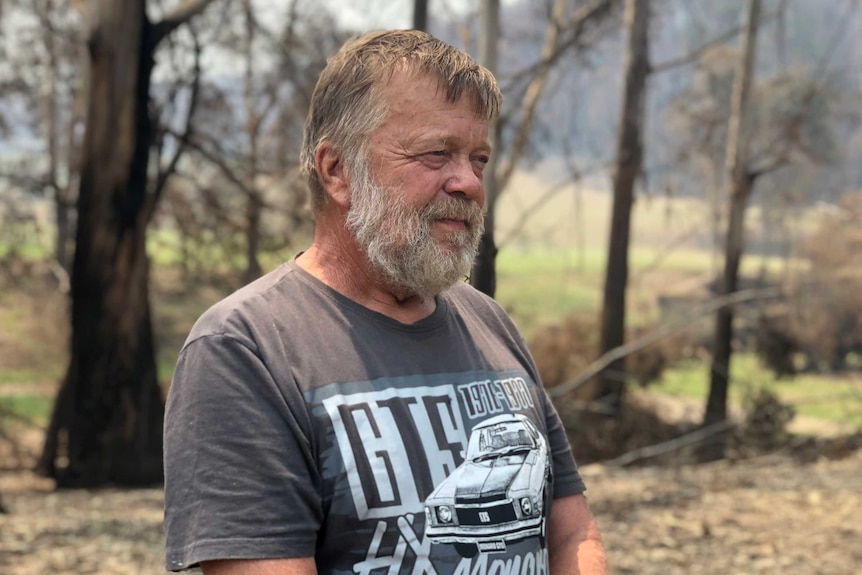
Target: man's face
x=417, y=208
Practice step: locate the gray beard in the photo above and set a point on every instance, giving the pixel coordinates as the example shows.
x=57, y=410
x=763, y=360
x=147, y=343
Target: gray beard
x=397, y=238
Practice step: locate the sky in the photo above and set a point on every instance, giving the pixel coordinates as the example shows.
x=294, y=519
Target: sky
x=371, y=14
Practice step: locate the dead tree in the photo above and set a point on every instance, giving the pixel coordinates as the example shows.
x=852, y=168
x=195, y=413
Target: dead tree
x=106, y=426
x=483, y=276
x=420, y=14
x=629, y=156
x=739, y=184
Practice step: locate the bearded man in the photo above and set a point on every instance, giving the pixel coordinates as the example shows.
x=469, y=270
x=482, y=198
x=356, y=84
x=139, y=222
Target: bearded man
x=361, y=409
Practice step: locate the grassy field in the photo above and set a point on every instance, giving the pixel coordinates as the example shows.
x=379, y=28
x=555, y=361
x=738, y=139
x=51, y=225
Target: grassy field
x=835, y=398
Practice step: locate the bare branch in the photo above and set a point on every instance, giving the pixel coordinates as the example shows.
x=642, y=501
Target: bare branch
x=531, y=98
x=662, y=332
x=693, y=56
x=548, y=195
x=182, y=139
x=576, y=26
x=217, y=159
x=176, y=18
x=527, y=213
x=779, y=161
x=218, y=162
x=552, y=50
x=675, y=444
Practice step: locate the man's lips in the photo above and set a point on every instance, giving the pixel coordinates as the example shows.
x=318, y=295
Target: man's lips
x=451, y=223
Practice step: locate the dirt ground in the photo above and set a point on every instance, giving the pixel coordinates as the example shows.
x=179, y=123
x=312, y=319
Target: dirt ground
x=770, y=514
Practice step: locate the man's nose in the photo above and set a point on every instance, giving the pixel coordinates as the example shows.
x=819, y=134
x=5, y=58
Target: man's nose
x=466, y=179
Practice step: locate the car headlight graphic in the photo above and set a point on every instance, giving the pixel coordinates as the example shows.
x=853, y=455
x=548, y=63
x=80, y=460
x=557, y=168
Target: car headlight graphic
x=526, y=506
x=444, y=514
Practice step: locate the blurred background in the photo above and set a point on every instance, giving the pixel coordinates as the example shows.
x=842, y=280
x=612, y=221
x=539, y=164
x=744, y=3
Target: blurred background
x=675, y=223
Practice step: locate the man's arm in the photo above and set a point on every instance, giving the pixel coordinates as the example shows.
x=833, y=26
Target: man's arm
x=574, y=543
x=301, y=566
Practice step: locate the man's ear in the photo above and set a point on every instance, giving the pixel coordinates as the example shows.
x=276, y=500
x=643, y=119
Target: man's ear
x=332, y=174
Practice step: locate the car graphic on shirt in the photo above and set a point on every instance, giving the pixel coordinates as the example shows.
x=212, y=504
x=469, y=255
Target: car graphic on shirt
x=498, y=494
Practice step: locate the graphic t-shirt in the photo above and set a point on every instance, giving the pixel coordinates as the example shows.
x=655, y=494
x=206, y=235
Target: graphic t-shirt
x=300, y=423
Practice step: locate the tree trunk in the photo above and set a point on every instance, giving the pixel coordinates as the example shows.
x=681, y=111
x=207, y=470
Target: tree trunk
x=420, y=15
x=254, y=201
x=611, y=381
x=254, y=207
x=739, y=189
x=484, y=274
x=716, y=406
x=107, y=421
x=46, y=13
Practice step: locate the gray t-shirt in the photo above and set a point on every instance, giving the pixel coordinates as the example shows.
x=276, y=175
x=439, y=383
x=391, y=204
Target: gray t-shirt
x=300, y=423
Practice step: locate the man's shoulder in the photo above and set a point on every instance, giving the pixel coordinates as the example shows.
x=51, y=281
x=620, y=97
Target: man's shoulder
x=254, y=301
x=463, y=291
x=464, y=297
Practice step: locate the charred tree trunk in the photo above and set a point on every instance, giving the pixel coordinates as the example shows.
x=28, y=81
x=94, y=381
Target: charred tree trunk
x=739, y=189
x=254, y=207
x=611, y=381
x=254, y=199
x=107, y=421
x=716, y=406
x=484, y=274
x=420, y=14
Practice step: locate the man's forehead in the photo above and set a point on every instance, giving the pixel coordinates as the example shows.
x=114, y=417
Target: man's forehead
x=403, y=82
x=406, y=74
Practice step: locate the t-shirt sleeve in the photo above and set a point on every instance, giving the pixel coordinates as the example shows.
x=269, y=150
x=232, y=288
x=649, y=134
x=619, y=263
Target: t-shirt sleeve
x=239, y=475
x=567, y=480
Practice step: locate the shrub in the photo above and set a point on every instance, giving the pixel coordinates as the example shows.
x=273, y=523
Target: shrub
x=563, y=351
x=819, y=327
x=766, y=421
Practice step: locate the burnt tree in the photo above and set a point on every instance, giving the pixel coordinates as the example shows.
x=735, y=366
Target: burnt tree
x=629, y=156
x=739, y=181
x=420, y=14
x=483, y=276
x=106, y=426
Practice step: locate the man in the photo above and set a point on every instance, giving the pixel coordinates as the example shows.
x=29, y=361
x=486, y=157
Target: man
x=360, y=409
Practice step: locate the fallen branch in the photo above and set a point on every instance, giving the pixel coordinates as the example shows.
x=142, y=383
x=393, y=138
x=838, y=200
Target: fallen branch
x=662, y=332
x=675, y=444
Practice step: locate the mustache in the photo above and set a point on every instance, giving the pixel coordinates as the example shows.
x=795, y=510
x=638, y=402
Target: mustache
x=451, y=208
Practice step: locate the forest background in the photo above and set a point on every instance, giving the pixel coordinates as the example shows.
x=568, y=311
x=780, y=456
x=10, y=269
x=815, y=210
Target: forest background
x=620, y=152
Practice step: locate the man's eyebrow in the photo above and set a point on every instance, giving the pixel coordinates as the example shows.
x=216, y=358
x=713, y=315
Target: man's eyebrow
x=431, y=141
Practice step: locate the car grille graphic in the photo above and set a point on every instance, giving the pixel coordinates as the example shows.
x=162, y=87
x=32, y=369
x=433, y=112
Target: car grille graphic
x=486, y=515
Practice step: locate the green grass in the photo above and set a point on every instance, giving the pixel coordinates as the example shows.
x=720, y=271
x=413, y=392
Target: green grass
x=27, y=247
x=830, y=397
x=543, y=286
x=35, y=408
x=46, y=373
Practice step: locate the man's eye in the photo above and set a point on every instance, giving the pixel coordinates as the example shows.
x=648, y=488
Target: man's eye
x=480, y=162
x=435, y=158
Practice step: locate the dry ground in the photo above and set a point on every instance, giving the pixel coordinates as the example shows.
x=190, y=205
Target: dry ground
x=767, y=515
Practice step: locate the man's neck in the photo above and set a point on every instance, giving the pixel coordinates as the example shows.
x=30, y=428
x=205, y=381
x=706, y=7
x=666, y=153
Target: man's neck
x=339, y=263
